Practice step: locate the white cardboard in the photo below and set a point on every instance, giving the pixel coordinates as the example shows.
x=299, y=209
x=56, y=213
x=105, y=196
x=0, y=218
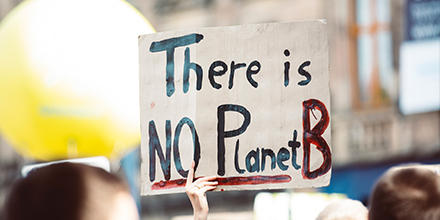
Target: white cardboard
x=276, y=109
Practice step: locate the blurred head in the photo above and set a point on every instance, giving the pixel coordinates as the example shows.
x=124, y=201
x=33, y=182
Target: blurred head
x=345, y=209
x=70, y=191
x=406, y=193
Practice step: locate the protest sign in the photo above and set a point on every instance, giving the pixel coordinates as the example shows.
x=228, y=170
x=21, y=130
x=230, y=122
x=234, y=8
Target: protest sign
x=250, y=104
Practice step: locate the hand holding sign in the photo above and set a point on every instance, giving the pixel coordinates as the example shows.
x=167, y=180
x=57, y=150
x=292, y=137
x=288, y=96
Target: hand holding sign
x=196, y=192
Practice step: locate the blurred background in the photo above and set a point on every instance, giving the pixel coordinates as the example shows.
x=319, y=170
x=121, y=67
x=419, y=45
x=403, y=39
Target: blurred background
x=385, y=93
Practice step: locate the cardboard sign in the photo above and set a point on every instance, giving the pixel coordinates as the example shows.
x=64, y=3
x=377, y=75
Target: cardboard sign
x=250, y=104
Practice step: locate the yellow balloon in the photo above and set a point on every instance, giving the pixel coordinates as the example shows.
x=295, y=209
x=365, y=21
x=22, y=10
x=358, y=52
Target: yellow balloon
x=69, y=83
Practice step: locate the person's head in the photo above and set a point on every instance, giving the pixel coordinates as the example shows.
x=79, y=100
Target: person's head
x=70, y=191
x=406, y=193
x=346, y=209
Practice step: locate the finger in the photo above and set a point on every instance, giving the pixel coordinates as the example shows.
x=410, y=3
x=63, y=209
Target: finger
x=208, y=188
x=208, y=184
x=203, y=184
x=190, y=177
x=205, y=179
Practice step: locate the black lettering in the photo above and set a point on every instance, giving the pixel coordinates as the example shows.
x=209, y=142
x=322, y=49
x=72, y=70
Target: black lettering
x=169, y=45
x=267, y=152
x=250, y=72
x=286, y=68
x=155, y=146
x=283, y=155
x=222, y=134
x=195, y=137
x=294, y=144
x=213, y=72
x=186, y=67
x=233, y=68
x=256, y=165
x=237, y=165
x=303, y=72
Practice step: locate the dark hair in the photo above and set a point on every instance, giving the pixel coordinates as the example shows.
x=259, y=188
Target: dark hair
x=406, y=193
x=60, y=191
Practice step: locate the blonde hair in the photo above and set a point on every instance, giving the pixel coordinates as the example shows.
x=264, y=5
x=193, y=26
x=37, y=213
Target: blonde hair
x=346, y=209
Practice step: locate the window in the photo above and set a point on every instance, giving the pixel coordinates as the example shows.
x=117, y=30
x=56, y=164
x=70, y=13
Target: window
x=372, y=65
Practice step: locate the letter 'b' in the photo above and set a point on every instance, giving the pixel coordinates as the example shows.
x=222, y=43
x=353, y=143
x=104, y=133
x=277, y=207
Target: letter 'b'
x=314, y=137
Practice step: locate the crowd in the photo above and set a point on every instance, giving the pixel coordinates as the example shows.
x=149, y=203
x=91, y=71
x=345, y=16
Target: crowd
x=73, y=191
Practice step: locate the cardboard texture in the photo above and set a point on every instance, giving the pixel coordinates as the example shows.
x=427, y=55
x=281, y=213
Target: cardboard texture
x=250, y=104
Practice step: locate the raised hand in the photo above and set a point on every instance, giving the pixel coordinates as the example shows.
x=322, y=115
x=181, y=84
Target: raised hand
x=196, y=192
